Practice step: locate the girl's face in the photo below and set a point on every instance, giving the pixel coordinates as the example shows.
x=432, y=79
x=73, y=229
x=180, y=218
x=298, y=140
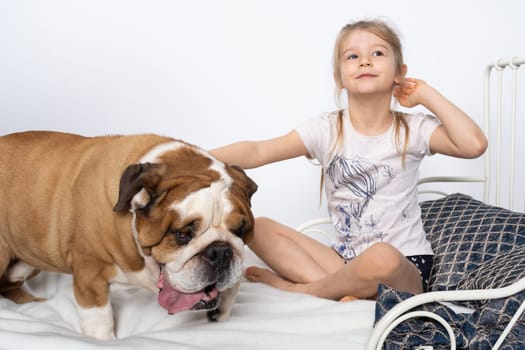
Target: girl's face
x=368, y=64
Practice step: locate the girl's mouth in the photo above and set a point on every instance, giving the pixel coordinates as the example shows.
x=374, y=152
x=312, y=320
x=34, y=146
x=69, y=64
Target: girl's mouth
x=366, y=75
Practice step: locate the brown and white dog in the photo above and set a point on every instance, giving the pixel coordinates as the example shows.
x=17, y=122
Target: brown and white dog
x=142, y=209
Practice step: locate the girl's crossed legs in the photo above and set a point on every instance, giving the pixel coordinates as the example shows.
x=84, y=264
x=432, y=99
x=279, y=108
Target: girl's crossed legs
x=302, y=264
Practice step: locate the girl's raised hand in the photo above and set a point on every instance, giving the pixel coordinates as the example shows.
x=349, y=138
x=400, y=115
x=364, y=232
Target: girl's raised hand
x=408, y=92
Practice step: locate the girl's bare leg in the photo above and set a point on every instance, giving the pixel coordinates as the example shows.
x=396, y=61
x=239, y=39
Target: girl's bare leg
x=360, y=277
x=292, y=255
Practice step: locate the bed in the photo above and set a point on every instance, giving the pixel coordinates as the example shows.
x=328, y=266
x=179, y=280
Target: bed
x=480, y=242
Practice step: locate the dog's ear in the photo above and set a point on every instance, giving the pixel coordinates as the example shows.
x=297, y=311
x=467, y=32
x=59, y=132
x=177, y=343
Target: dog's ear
x=242, y=191
x=136, y=177
x=247, y=184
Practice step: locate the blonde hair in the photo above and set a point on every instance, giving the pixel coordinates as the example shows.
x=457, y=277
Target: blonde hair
x=385, y=32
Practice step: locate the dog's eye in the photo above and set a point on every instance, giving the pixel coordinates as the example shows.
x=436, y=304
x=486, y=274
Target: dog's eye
x=182, y=236
x=240, y=230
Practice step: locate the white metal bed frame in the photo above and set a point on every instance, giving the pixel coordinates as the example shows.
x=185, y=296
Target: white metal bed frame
x=400, y=312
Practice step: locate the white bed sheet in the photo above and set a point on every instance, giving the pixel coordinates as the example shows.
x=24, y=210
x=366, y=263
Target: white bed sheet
x=262, y=318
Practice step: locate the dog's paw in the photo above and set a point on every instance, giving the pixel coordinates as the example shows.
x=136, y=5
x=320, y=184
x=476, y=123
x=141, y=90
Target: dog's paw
x=221, y=313
x=97, y=322
x=224, y=310
x=213, y=315
x=18, y=294
x=19, y=272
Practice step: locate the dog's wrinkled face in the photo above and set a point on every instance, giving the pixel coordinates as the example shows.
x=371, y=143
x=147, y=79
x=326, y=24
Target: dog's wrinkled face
x=192, y=214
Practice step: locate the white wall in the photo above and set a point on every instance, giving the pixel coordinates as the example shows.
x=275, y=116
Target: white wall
x=216, y=71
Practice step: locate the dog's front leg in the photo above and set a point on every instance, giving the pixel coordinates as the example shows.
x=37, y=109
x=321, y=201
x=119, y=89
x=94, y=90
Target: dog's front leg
x=223, y=311
x=94, y=308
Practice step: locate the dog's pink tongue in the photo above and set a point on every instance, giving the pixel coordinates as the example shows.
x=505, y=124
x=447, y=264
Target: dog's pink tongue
x=175, y=301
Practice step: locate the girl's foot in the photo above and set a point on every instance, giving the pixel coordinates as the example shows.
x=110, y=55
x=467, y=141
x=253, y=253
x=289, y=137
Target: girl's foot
x=348, y=298
x=257, y=274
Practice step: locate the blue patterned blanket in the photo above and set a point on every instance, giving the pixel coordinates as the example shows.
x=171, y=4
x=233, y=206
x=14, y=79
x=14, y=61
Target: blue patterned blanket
x=476, y=246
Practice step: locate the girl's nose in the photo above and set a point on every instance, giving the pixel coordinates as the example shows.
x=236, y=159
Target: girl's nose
x=365, y=62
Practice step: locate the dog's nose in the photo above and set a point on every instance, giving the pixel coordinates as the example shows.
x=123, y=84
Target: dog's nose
x=219, y=255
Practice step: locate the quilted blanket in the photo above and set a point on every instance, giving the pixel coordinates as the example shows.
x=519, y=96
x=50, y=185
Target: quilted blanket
x=476, y=246
x=479, y=330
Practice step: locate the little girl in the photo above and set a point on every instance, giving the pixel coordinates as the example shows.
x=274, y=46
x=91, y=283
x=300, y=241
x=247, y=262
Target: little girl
x=370, y=156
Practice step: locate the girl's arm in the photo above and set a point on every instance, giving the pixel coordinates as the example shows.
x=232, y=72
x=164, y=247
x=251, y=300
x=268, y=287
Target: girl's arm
x=459, y=135
x=252, y=154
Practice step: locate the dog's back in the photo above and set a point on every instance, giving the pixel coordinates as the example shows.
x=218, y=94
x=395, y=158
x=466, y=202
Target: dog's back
x=56, y=171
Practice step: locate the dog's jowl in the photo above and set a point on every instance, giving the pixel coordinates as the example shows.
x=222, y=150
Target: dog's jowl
x=142, y=209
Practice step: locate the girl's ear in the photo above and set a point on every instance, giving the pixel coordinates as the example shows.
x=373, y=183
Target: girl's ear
x=402, y=75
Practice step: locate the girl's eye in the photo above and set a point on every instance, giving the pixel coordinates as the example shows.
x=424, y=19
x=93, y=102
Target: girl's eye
x=377, y=53
x=352, y=57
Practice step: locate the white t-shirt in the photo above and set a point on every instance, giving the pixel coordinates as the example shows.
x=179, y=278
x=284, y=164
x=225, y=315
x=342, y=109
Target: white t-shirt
x=371, y=196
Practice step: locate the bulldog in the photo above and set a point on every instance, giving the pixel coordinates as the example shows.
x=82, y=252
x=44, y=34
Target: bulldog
x=141, y=209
